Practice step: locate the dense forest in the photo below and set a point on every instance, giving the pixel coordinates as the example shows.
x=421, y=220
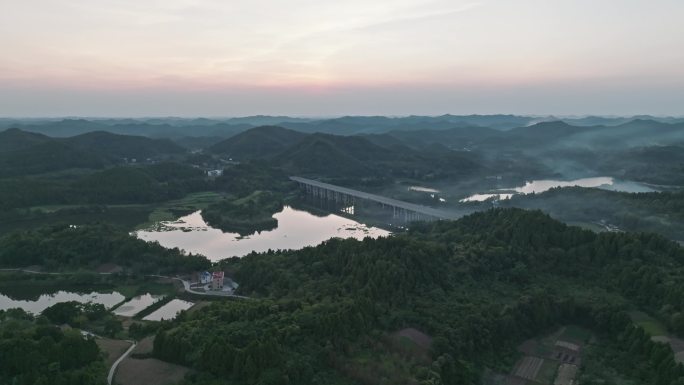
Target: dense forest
x=468, y=292
x=70, y=248
x=245, y=215
x=661, y=213
x=35, y=352
x=117, y=185
x=477, y=287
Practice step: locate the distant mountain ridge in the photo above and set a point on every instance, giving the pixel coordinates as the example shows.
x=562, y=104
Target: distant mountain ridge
x=23, y=152
x=346, y=125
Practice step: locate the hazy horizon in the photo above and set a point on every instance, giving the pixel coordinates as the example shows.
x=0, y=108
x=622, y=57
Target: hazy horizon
x=188, y=58
x=324, y=117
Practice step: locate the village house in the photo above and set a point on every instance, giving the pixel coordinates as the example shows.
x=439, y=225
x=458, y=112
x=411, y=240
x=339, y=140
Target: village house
x=217, y=280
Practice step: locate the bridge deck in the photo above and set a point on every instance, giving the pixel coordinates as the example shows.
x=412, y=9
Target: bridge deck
x=378, y=199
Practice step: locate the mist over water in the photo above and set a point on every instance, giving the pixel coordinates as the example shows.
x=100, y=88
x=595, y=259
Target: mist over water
x=540, y=186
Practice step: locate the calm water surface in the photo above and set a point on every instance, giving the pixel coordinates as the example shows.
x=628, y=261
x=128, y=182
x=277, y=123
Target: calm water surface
x=47, y=300
x=296, y=229
x=169, y=311
x=539, y=186
x=423, y=189
x=137, y=304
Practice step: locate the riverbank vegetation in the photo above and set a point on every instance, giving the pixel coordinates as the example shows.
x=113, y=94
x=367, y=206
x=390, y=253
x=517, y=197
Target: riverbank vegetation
x=86, y=316
x=70, y=248
x=254, y=192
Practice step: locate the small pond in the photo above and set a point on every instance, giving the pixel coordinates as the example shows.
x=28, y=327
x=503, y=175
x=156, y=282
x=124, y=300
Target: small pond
x=137, y=304
x=169, y=311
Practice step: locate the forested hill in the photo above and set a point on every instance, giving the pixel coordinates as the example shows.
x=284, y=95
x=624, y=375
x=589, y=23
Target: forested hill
x=474, y=288
x=116, y=147
x=337, y=156
x=260, y=142
x=25, y=153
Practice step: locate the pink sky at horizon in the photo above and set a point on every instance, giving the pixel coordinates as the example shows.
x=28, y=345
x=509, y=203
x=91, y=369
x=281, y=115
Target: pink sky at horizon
x=311, y=57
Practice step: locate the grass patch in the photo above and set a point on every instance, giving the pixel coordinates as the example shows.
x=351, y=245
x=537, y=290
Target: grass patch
x=130, y=290
x=651, y=325
x=653, y=328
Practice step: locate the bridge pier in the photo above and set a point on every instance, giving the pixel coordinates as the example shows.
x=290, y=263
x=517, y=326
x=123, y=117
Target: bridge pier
x=328, y=194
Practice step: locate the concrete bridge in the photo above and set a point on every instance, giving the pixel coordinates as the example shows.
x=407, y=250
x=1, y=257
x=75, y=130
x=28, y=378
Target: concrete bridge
x=408, y=211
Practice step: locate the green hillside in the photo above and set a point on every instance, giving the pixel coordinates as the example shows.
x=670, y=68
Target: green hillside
x=467, y=292
x=257, y=143
x=116, y=147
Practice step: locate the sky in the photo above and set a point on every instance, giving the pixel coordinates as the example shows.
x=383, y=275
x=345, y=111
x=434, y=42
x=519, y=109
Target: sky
x=329, y=57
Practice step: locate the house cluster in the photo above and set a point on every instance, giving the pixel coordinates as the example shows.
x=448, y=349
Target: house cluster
x=215, y=281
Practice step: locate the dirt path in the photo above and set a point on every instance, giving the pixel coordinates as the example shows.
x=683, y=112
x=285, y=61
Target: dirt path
x=112, y=370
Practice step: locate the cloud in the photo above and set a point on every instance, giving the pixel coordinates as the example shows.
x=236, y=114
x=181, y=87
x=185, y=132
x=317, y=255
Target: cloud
x=327, y=45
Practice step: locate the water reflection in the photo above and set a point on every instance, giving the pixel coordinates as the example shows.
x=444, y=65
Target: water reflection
x=540, y=186
x=137, y=304
x=423, y=189
x=484, y=197
x=46, y=300
x=169, y=311
x=296, y=229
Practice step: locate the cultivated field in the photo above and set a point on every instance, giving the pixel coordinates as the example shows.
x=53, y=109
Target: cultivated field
x=149, y=371
x=528, y=367
x=551, y=359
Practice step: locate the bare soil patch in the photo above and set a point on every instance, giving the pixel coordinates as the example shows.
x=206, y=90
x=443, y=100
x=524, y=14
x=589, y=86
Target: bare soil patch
x=145, y=346
x=113, y=349
x=149, y=371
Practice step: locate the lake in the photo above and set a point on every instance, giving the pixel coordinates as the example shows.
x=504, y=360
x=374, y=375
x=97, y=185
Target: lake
x=296, y=229
x=47, y=300
x=539, y=186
